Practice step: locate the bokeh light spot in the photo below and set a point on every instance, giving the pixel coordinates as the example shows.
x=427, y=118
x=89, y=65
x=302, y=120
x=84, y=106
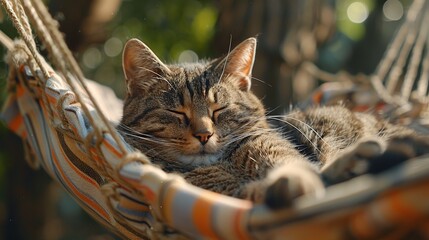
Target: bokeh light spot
x=357, y=12
x=188, y=56
x=92, y=58
x=113, y=47
x=393, y=10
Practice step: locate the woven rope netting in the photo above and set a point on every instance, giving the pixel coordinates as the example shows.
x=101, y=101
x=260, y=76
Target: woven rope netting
x=401, y=80
x=61, y=57
x=402, y=75
x=22, y=12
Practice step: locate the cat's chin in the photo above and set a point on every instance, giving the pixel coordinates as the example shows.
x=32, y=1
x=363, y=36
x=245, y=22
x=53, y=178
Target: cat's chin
x=203, y=159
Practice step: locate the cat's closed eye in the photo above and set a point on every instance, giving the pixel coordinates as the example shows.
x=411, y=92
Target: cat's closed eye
x=216, y=113
x=181, y=115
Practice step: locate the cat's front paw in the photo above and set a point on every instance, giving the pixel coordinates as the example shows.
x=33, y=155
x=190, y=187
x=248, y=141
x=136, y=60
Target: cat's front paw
x=282, y=192
x=409, y=146
x=374, y=156
x=353, y=161
x=290, y=184
x=399, y=150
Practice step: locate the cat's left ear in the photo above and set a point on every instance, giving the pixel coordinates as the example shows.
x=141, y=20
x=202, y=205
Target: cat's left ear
x=237, y=66
x=142, y=68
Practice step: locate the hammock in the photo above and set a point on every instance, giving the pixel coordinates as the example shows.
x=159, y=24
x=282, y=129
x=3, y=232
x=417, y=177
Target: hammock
x=65, y=131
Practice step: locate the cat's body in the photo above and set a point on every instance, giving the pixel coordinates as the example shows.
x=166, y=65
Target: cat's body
x=202, y=121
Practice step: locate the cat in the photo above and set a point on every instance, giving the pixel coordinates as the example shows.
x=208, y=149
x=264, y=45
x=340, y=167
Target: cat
x=201, y=120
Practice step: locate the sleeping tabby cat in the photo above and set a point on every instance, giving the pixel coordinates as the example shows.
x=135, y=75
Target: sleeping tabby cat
x=201, y=120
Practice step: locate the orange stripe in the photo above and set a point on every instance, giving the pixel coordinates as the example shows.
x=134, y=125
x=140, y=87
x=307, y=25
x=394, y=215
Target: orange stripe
x=361, y=225
x=238, y=227
x=20, y=90
x=201, y=214
x=147, y=192
x=51, y=99
x=129, y=204
x=76, y=192
x=112, y=149
x=95, y=156
x=317, y=97
x=399, y=209
x=16, y=123
x=44, y=111
x=78, y=171
x=167, y=205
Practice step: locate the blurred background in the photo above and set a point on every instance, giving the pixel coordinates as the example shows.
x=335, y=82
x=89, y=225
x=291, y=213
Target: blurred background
x=335, y=35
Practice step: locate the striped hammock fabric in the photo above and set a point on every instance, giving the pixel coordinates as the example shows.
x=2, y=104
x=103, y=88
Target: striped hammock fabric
x=135, y=199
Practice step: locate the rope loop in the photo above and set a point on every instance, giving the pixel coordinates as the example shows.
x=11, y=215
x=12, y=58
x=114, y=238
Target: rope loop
x=20, y=11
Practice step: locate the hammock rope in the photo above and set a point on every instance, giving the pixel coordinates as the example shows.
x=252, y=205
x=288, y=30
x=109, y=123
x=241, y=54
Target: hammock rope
x=62, y=57
x=51, y=37
x=411, y=74
x=401, y=77
x=137, y=200
x=395, y=59
x=422, y=89
x=21, y=24
x=64, y=62
x=398, y=67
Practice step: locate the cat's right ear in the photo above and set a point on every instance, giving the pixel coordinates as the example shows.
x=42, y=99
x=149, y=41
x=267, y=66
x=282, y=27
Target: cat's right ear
x=237, y=66
x=142, y=68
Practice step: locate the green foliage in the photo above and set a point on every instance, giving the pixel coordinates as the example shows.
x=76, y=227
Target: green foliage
x=167, y=27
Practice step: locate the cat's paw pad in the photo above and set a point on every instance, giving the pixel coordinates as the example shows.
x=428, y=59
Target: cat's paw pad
x=367, y=149
x=281, y=193
x=283, y=190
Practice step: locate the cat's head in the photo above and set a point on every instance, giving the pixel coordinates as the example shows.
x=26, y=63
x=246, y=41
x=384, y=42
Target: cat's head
x=189, y=113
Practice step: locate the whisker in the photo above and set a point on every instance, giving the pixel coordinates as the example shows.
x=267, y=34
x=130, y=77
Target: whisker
x=226, y=58
x=148, y=139
x=238, y=137
x=281, y=119
x=158, y=75
x=268, y=112
x=261, y=81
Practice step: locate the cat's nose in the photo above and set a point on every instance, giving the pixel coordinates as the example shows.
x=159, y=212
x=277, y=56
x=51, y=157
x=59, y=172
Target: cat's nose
x=203, y=137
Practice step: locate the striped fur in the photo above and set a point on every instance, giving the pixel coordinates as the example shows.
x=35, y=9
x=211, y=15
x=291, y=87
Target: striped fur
x=201, y=120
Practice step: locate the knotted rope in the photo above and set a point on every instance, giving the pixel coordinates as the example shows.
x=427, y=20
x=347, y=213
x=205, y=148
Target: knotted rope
x=61, y=56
